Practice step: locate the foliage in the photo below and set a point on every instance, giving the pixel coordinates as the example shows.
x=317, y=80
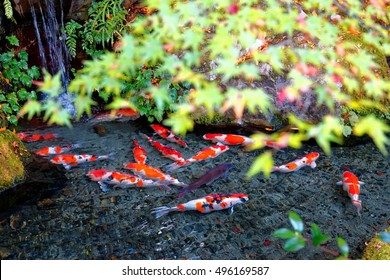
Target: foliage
x=299, y=40
x=295, y=241
x=16, y=78
x=105, y=24
x=9, y=13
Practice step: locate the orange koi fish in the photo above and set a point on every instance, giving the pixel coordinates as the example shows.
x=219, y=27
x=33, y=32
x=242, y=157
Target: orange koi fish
x=167, y=134
x=139, y=153
x=308, y=160
x=55, y=150
x=206, y=204
x=29, y=137
x=106, y=177
x=69, y=161
x=121, y=115
x=351, y=184
x=228, y=139
x=209, y=152
x=150, y=172
x=167, y=151
x=280, y=143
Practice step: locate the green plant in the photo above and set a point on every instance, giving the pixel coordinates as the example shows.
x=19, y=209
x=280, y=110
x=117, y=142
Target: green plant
x=16, y=78
x=105, y=24
x=8, y=10
x=297, y=39
x=295, y=241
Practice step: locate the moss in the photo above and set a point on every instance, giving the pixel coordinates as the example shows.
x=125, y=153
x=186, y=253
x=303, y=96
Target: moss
x=217, y=119
x=377, y=249
x=12, y=155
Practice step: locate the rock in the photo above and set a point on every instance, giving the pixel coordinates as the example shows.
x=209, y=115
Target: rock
x=36, y=179
x=12, y=155
x=377, y=249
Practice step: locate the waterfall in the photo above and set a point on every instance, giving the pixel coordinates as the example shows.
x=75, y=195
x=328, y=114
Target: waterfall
x=54, y=54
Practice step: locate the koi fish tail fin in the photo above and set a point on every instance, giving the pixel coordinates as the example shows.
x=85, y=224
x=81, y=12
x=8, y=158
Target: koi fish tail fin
x=163, y=185
x=103, y=186
x=110, y=156
x=176, y=165
x=274, y=168
x=144, y=136
x=162, y=211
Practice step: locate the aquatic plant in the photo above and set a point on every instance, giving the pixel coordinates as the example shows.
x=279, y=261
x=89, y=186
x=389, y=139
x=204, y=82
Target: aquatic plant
x=305, y=42
x=15, y=80
x=295, y=240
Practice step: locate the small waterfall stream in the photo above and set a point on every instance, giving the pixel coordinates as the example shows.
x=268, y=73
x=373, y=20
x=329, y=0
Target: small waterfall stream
x=53, y=51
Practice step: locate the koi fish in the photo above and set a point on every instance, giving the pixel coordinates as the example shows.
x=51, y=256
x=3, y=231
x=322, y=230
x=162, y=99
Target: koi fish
x=228, y=139
x=150, y=172
x=106, y=177
x=351, y=184
x=167, y=151
x=69, y=161
x=280, y=143
x=206, y=204
x=139, y=153
x=28, y=137
x=308, y=160
x=55, y=150
x=209, y=152
x=167, y=134
x=121, y=115
x=208, y=178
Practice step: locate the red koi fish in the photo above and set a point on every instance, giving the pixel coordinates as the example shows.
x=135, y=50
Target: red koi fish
x=29, y=137
x=228, y=139
x=139, y=153
x=209, y=152
x=308, y=160
x=106, y=177
x=208, y=178
x=167, y=151
x=69, y=161
x=121, y=115
x=150, y=172
x=351, y=184
x=55, y=150
x=167, y=134
x=206, y=204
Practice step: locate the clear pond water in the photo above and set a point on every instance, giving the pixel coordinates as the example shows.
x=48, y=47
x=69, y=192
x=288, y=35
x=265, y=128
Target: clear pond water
x=79, y=221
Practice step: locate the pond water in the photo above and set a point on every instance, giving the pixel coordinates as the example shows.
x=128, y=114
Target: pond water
x=79, y=221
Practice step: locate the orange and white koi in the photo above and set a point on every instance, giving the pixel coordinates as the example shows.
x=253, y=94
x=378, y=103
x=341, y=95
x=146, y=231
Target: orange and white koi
x=351, y=184
x=209, y=152
x=139, y=153
x=206, y=204
x=280, y=143
x=150, y=172
x=167, y=134
x=308, y=160
x=167, y=151
x=228, y=139
x=29, y=137
x=121, y=115
x=55, y=150
x=106, y=177
x=68, y=160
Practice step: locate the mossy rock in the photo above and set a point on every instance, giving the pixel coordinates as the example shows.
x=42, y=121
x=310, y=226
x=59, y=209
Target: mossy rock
x=377, y=249
x=13, y=154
